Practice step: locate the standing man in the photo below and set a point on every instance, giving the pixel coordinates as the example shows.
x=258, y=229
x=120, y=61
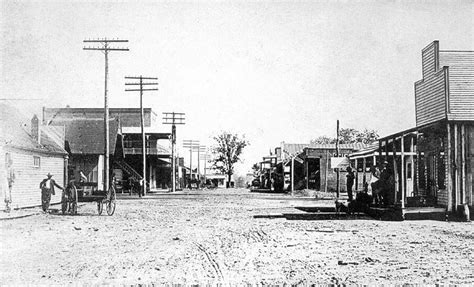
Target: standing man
x=350, y=182
x=385, y=175
x=47, y=188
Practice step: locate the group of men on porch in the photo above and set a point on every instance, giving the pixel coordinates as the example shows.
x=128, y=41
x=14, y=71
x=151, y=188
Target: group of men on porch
x=378, y=191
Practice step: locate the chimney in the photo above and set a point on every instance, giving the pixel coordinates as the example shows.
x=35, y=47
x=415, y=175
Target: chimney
x=35, y=129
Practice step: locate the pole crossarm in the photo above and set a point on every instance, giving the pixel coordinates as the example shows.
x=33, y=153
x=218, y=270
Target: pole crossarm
x=141, y=77
x=105, y=49
x=172, y=118
x=105, y=40
x=137, y=84
x=140, y=90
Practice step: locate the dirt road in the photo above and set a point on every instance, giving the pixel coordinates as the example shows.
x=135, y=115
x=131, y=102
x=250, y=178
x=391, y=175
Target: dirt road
x=212, y=237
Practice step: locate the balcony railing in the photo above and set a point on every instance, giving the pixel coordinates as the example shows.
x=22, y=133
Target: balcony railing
x=152, y=151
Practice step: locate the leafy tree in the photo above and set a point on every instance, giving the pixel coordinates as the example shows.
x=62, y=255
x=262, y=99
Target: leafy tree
x=367, y=136
x=349, y=135
x=323, y=140
x=227, y=151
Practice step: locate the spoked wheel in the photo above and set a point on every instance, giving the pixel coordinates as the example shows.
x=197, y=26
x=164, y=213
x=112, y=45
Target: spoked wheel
x=73, y=201
x=110, y=202
x=100, y=207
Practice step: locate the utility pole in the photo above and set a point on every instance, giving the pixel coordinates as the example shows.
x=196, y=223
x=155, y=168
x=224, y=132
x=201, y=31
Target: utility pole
x=149, y=82
x=206, y=159
x=337, y=155
x=104, y=45
x=191, y=144
x=173, y=119
x=200, y=148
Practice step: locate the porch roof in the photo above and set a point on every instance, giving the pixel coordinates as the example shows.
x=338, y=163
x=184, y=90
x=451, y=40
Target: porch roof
x=411, y=131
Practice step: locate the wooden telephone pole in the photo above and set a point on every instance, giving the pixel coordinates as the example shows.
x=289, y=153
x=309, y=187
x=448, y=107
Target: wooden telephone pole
x=200, y=148
x=191, y=144
x=105, y=47
x=338, y=188
x=173, y=119
x=141, y=89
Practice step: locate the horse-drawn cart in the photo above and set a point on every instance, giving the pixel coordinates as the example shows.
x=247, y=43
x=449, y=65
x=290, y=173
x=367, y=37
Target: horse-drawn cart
x=88, y=192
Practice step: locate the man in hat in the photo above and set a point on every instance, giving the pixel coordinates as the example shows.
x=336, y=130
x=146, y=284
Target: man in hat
x=350, y=182
x=47, y=188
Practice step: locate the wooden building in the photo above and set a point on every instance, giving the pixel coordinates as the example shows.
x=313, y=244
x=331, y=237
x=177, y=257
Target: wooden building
x=29, y=152
x=444, y=100
x=85, y=142
x=308, y=166
x=433, y=163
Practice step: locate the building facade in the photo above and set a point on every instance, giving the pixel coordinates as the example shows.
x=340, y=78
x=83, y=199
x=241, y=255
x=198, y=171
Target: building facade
x=29, y=152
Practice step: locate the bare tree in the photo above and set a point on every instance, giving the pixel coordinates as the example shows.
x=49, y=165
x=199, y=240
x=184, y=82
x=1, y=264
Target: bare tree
x=227, y=151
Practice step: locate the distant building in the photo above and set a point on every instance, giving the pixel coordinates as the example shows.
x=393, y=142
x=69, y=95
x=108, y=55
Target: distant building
x=29, y=151
x=312, y=165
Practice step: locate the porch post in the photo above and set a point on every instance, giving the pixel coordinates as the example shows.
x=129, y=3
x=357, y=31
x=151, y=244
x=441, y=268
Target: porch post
x=292, y=175
x=307, y=172
x=326, y=172
x=380, y=153
x=463, y=163
x=403, y=177
x=456, y=168
x=356, y=176
x=450, y=170
x=364, y=178
x=412, y=157
x=66, y=170
x=395, y=170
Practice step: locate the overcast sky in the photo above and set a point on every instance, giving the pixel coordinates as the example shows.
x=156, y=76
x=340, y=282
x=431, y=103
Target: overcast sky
x=272, y=71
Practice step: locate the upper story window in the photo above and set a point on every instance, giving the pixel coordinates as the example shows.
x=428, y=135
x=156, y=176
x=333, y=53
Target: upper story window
x=36, y=161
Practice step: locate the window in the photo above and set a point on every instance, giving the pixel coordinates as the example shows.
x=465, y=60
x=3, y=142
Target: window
x=36, y=161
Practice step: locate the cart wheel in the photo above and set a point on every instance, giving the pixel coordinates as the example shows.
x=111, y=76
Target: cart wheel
x=100, y=207
x=73, y=208
x=111, y=201
x=64, y=203
x=73, y=201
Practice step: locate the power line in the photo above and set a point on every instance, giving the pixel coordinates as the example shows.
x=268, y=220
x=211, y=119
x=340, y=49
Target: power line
x=105, y=48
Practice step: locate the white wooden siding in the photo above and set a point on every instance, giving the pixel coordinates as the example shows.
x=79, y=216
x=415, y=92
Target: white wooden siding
x=430, y=94
x=25, y=191
x=461, y=83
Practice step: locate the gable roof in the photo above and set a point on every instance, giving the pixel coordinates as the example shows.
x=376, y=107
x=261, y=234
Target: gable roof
x=14, y=133
x=86, y=136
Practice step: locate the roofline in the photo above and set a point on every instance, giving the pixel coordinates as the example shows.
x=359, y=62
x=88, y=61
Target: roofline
x=457, y=51
x=36, y=150
x=410, y=130
x=100, y=109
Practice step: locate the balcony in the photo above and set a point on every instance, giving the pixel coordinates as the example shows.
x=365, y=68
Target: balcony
x=159, y=150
